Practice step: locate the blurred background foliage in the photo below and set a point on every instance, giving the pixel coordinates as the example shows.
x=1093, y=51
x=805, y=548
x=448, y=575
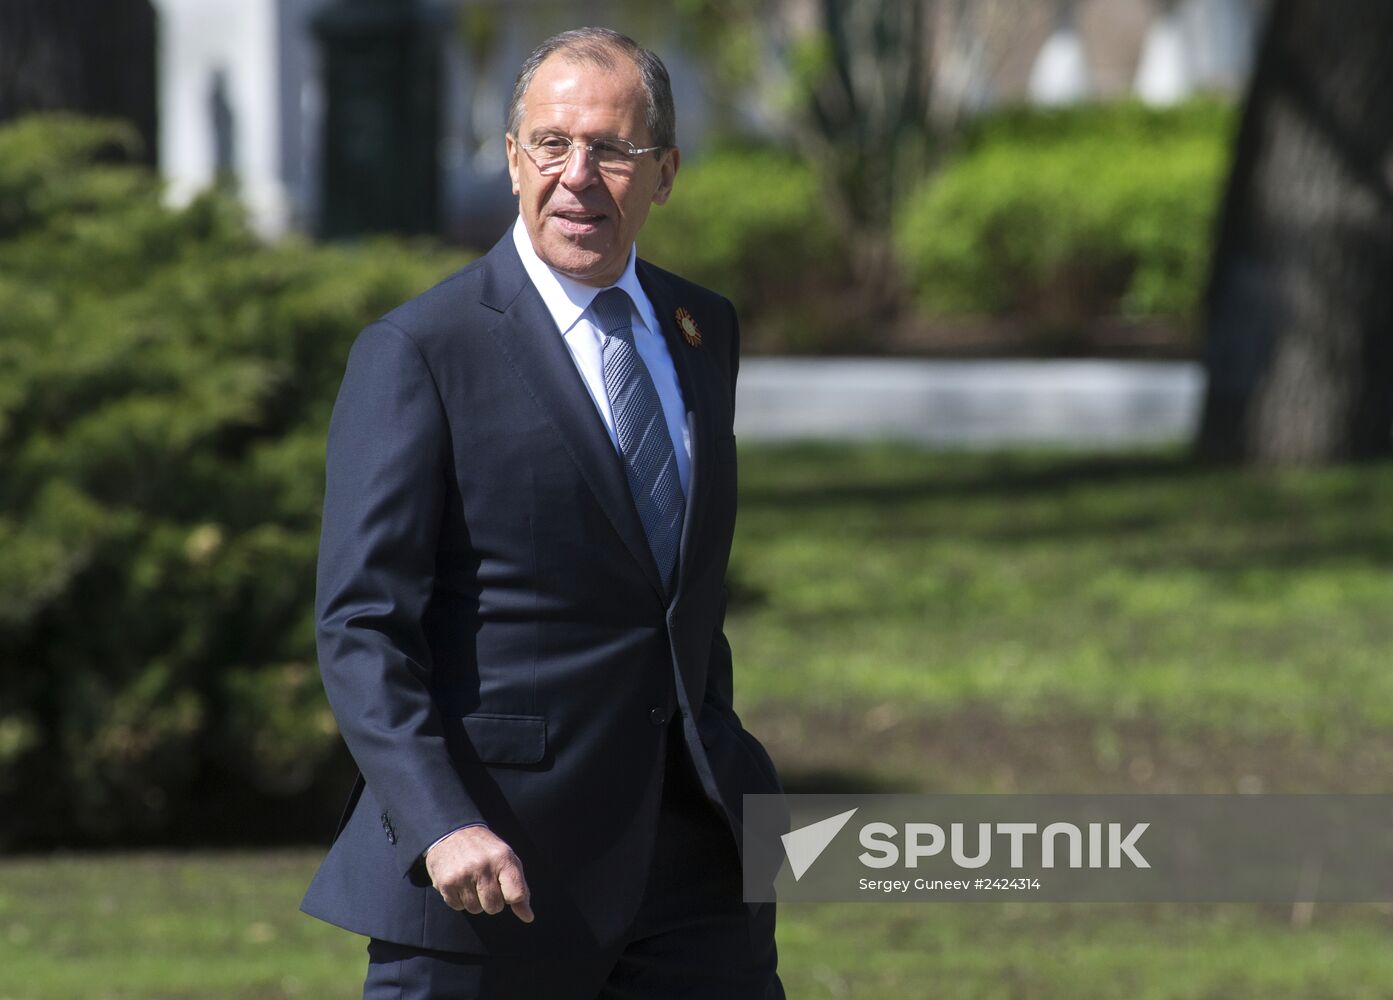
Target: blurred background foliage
x=749, y=222
x=1069, y=214
x=166, y=379
x=165, y=382
x=1051, y=219
x=1015, y=622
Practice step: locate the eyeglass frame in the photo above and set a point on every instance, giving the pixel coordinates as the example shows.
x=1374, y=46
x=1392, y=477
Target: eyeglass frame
x=633, y=152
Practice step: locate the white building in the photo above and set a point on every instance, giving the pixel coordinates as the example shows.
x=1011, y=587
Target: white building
x=242, y=83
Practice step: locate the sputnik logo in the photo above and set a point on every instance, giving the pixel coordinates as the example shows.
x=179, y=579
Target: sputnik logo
x=804, y=845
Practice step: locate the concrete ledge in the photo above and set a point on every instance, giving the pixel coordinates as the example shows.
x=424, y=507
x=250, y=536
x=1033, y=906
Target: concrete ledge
x=969, y=403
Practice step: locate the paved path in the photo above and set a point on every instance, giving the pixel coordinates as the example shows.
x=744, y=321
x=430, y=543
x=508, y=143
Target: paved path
x=969, y=403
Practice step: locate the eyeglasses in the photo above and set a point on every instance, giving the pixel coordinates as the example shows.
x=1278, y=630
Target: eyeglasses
x=612, y=156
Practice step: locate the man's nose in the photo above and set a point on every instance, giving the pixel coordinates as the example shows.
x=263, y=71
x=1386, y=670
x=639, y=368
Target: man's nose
x=579, y=171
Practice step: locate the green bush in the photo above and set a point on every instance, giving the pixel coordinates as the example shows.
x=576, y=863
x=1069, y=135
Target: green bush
x=751, y=224
x=1073, y=213
x=1118, y=121
x=165, y=385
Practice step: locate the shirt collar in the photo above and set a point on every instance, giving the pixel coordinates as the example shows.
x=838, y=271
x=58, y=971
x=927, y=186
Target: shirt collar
x=565, y=298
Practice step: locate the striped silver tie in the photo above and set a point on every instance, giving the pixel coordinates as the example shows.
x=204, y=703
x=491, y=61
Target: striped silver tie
x=649, y=458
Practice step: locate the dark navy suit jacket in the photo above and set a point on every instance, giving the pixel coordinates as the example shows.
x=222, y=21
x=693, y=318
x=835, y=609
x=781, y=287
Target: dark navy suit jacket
x=492, y=633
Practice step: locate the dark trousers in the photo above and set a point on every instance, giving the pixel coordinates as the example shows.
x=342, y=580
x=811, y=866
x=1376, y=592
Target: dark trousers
x=693, y=938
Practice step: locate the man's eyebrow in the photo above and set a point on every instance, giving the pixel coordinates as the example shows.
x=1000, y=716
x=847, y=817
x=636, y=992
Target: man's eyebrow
x=542, y=132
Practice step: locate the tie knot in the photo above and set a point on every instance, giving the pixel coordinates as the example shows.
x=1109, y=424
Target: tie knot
x=611, y=308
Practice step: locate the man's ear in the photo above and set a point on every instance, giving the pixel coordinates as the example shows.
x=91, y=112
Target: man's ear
x=672, y=159
x=511, y=146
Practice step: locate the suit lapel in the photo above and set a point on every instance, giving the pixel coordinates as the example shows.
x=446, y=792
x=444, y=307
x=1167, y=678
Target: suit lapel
x=527, y=335
x=696, y=398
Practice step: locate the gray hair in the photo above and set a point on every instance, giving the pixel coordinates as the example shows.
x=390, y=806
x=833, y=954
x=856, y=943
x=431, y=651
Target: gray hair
x=599, y=46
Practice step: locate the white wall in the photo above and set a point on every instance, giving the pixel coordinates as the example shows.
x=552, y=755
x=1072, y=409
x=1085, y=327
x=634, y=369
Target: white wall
x=198, y=40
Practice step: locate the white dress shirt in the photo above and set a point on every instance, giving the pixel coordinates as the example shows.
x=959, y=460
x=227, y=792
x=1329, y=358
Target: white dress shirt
x=568, y=301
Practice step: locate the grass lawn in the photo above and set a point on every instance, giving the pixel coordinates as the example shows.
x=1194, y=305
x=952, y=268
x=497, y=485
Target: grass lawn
x=1056, y=623
x=904, y=619
x=167, y=925
x=222, y=926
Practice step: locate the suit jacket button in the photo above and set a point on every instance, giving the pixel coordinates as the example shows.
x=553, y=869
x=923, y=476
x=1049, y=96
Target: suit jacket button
x=657, y=716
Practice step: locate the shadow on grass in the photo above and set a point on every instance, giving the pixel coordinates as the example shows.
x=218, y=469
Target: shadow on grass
x=841, y=781
x=870, y=748
x=891, y=474
x=1156, y=510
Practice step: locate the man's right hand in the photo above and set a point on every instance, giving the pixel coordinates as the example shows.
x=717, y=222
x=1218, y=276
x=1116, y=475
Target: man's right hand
x=474, y=870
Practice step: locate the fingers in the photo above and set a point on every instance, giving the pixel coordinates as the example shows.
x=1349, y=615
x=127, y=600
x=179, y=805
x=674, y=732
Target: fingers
x=460, y=895
x=509, y=889
x=523, y=911
x=485, y=879
x=515, y=892
x=469, y=898
x=490, y=896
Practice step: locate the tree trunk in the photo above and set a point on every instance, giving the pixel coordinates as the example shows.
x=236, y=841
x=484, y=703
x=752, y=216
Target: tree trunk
x=1300, y=308
x=867, y=126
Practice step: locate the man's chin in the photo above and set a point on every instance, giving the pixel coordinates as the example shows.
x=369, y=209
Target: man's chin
x=578, y=261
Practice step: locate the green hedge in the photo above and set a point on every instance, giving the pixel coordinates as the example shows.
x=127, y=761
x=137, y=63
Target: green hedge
x=751, y=224
x=165, y=384
x=1068, y=214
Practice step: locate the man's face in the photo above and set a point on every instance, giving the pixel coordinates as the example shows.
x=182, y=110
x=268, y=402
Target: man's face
x=582, y=221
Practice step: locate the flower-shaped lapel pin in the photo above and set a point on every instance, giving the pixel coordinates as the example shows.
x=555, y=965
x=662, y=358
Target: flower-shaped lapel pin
x=688, y=326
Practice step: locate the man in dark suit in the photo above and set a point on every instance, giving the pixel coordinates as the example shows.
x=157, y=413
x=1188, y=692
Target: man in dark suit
x=527, y=521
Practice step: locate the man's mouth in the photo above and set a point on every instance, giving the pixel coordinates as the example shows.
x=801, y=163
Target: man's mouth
x=579, y=223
